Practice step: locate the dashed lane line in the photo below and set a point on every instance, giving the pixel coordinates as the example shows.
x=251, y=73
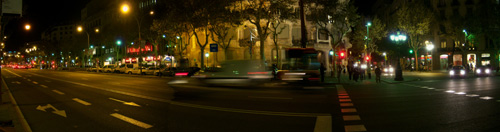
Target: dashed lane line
x=259, y=97
x=81, y=101
x=35, y=82
x=355, y=128
x=486, y=98
x=131, y=121
x=43, y=86
x=58, y=92
x=471, y=95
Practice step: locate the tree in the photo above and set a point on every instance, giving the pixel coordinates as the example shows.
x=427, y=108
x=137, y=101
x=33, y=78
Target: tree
x=260, y=14
x=277, y=28
x=335, y=18
x=414, y=18
x=377, y=31
x=222, y=25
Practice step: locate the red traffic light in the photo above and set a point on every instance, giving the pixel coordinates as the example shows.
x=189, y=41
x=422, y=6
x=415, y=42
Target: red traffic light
x=342, y=54
x=367, y=58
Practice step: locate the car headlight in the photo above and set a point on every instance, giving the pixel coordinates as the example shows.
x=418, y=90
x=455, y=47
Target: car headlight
x=385, y=70
x=462, y=72
x=487, y=71
x=452, y=72
x=391, y=69
x=478, y=71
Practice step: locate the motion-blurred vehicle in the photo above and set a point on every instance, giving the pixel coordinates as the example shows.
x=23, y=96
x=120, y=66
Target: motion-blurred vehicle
x=458, y=71
x=20, y=67
x=108, y=68
x=234, y=73
x=301, y=65
x=483, y=71
x=178, y=71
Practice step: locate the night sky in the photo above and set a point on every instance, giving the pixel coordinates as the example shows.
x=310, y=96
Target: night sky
x=41, y=14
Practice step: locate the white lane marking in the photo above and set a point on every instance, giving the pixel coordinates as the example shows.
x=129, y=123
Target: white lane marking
x=13, y=73
x=44, y=86
x=81, y=101
x=131, y=121
x=35, y=82
x=460, y=93
x=450, y=91
x=124, y=102
x=471, y=95
x=424, y=87
x=354, y=128
x=351, y=117
x=486, y=97
x=430, y=88
x=58, y=92
x=268, y=97
x=323, y=124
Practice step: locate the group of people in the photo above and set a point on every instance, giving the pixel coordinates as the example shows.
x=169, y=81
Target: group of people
x=355, y=73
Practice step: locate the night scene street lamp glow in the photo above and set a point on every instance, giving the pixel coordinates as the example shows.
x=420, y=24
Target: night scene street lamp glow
x=125, y=8
x=97, y=30
x=399, y=71
x=79, y=29
x=118, y=42
x=27, y=27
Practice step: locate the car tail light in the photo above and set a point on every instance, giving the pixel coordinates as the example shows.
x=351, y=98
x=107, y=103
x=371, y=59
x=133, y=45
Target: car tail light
x=181, y=74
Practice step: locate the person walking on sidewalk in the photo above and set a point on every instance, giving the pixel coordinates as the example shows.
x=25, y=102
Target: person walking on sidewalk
x=322, y=72
x=356, y=74
x=378, y=72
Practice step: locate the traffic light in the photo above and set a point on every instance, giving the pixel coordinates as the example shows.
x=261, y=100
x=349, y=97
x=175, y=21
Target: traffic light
x=367, y=58
x=342, y=55
x=411, y=51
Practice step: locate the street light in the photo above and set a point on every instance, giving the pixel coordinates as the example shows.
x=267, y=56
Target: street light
x=429, y=46
x=125, y=8
x=27, y=27
x=206, y=55
x=151, y=13
x=367, y=54
x=97, y=30
x=398, y=38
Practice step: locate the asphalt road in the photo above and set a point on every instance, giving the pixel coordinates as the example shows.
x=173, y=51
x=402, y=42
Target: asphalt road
x=119, y=102
x=81, y=101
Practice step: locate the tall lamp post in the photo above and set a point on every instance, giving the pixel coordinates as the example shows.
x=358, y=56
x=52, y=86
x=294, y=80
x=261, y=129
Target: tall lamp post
x=206, y=55
x=367, y=54
x=399, y=72
x=80, y=29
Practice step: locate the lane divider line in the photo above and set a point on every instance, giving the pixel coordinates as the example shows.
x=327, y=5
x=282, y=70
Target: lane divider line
x=35, y=82
x=14, y=73
x=131, y=121
x=82, y=102
x=44, y=86
x=58, y=92
x=323, y=124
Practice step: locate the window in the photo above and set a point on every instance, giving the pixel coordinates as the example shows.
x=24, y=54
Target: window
x=485, y=55
x=130, y=66
x=110, y=50
x=443, y=44
x=322, y=35
x=107, y=50
x=457, y=43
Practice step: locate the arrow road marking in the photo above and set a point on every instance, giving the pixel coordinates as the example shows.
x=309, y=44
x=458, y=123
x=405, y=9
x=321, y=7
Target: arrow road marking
x=56, y=111
x=131, y=121
x=124, y=102
x=81, y=101
x=58, y=92
x=44, y=86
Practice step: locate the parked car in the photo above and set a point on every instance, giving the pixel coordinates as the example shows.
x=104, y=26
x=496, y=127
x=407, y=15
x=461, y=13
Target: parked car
x=108, y=68
x=458, y=71
x=126, y=68
x=178, y=71
x=94, y=69
x=483, y=71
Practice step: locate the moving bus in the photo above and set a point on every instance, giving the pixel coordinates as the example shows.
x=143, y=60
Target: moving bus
x=302, y=64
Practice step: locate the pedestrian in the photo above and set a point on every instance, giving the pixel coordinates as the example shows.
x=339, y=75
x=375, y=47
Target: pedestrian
x=350, y=70
x=378, y=72
x=322, y=72
x=355, y=74
x=339, y=71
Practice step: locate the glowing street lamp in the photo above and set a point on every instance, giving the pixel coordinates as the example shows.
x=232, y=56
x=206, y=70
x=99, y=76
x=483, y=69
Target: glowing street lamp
x=27, y=27
x=399, y=38
x=79, y=29
x=97, y=30
x=125, y=8
x=151, y=13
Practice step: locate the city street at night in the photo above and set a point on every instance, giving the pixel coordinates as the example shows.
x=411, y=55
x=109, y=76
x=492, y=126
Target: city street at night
x=117, y=102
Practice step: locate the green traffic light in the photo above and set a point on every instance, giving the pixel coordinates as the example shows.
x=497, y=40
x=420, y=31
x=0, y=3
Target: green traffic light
x=411, y=51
